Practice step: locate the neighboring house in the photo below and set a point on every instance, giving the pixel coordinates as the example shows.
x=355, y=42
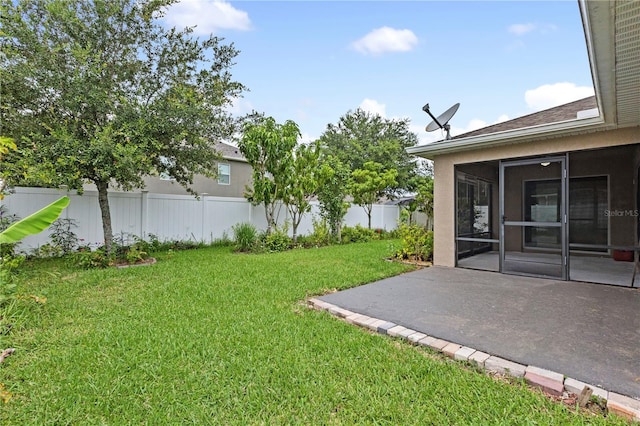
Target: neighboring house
x=552, y=194
x=234, y=174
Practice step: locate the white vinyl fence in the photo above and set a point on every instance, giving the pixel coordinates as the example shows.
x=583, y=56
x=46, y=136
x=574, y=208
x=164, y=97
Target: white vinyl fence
x=168, y=217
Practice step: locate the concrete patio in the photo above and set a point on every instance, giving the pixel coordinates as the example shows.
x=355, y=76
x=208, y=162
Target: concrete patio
x=587, y=332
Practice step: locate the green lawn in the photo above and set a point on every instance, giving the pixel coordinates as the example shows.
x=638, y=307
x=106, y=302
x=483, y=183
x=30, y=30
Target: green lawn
x=212, y=337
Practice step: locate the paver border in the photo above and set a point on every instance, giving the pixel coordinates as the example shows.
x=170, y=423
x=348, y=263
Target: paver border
x=549, y=381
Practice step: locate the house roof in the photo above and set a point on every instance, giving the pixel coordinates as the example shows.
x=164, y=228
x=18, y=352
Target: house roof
x=612, y=33
x=612, y=30
x=570, y=111
x=229, y=152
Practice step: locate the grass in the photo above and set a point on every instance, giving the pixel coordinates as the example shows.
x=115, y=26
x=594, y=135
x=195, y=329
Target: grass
x=211, y=337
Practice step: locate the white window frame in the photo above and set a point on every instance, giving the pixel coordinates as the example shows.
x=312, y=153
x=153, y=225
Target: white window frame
x=228, y=174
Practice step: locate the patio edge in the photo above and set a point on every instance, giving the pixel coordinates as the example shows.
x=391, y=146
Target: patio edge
x=548, y=381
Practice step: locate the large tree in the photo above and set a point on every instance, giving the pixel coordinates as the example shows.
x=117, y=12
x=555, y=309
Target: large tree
x=360, y=136
x=100, y=91
x=268, y=147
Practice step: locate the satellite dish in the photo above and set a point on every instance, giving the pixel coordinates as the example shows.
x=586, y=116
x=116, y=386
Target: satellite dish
x=442, y=122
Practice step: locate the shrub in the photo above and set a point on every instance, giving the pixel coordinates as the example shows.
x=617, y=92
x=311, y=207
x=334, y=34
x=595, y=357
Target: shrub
x=277, y=240
x=92, y=259
x=135, y=255
x=151, y=244
x=416, y=243
x=46, y=250
x=357, y=234
x=380, y=234
x=321, y=235
x=245, y=236
x=119, y=251
x=185, y=245
x=223, y=241
x=62, y=236
x=394, y=234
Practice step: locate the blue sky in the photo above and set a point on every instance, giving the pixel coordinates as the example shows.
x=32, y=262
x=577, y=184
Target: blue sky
x=312, y=62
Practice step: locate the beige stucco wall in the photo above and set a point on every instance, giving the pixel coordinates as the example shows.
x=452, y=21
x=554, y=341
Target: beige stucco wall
x=444, y=176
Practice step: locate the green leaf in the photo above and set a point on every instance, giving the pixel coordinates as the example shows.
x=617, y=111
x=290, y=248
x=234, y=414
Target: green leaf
x=34, y=223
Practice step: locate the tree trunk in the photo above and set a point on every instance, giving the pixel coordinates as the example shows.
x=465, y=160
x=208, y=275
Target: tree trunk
x=269, y=212
x=368, y=209
x=103, y=201
x=296, y=218
x=295, y=221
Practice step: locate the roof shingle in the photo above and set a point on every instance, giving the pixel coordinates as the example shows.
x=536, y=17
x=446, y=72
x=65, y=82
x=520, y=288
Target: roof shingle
x=552, y=115
x=229, y=152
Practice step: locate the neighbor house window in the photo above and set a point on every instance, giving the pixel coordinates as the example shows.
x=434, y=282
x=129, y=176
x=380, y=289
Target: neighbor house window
x=224, y=174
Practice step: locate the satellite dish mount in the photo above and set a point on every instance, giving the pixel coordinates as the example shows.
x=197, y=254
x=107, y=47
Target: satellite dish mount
x=442, y=121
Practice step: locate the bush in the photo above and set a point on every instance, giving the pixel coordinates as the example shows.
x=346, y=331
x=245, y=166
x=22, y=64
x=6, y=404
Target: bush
x=150, y=245
x=62, y=235
x=135, y=255
x=357, y=234
x=277, y=240
x=92, y=259
x=46, y=250
x=381, y=234
x=245, y=236
x=321, y=235
x=184, y=245
x=416, y=243
x=223, y=241
x=394, y=234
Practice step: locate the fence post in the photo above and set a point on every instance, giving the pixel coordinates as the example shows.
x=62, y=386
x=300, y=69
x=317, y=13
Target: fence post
x=144, y=200
x=204, y=205
x=65, y=189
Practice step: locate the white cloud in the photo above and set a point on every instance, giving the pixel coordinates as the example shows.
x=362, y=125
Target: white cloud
x=551, y=95
x=240, y=106
x=374, y=107
x=521, y=29
x=438, y=135
x=207, y=16
x=386, y=39
x=306, y=138
x=502, y=118
x=425, y=137
x=475, y=124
